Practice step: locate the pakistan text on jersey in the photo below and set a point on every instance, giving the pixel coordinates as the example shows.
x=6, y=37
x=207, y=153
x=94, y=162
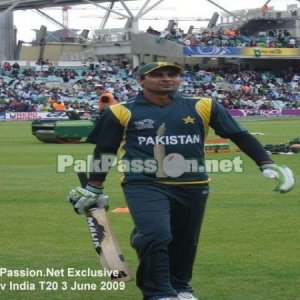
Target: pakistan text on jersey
x=169, y=140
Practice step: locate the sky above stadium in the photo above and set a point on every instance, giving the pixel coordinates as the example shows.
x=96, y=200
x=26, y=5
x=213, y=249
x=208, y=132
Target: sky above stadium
x=89, y=16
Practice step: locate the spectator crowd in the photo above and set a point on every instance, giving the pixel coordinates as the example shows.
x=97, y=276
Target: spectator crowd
x=47, y=88
x=229, y=37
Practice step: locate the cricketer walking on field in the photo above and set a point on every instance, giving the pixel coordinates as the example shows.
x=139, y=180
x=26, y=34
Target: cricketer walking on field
x=156, y=133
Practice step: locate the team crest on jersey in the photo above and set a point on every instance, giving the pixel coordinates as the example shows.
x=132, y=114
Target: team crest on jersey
x=144, y=124
x=188, y=120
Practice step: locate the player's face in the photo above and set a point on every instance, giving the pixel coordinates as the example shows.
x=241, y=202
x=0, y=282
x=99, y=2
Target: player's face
x=161, y=81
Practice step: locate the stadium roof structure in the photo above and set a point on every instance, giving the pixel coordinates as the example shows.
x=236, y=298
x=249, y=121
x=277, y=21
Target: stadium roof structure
x=29, y=4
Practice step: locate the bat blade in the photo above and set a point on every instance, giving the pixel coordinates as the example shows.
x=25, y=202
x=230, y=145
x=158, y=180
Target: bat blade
x=105, y=242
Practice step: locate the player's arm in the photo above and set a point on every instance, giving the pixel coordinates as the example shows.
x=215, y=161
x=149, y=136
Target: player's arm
x=107, y=136
x=252, y=147
x=227, y=127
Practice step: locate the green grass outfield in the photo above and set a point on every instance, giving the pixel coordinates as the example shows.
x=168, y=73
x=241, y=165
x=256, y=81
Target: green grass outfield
x=249, y=249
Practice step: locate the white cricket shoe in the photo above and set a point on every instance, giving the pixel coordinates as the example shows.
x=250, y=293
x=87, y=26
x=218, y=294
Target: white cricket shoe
x=173, y=298
x=186, y=296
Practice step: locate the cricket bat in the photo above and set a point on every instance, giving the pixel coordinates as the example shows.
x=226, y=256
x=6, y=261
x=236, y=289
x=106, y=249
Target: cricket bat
x=105, y=242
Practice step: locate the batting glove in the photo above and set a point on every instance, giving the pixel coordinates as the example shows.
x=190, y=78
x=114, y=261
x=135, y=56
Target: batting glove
x=83, y=199
x=282, y=174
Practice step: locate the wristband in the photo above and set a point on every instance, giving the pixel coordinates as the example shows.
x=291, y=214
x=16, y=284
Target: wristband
x=94, y=189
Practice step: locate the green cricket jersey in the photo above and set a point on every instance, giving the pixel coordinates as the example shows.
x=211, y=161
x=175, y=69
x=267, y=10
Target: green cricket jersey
x=162, y=143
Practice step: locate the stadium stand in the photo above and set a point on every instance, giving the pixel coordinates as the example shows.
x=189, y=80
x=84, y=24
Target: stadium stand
x=28, y=89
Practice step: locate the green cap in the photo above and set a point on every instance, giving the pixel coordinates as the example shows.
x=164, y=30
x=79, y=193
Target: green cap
x=147, y=68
